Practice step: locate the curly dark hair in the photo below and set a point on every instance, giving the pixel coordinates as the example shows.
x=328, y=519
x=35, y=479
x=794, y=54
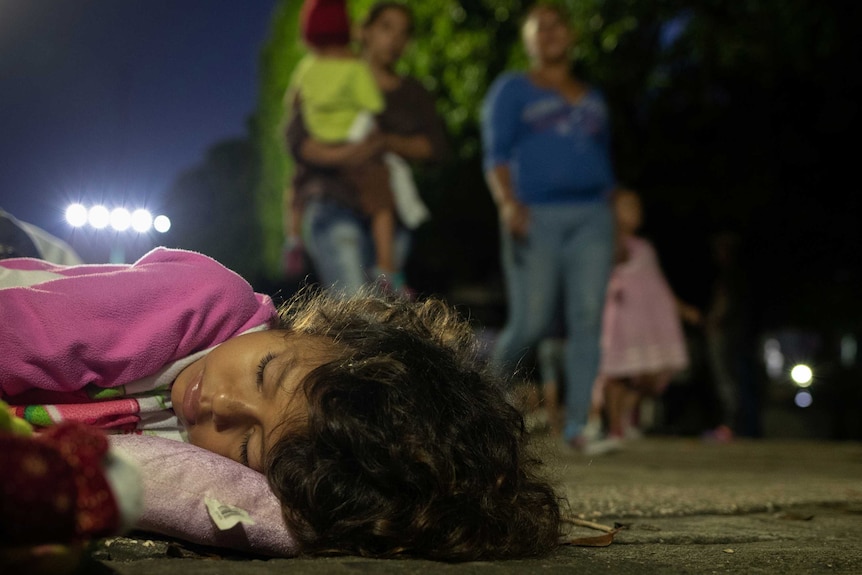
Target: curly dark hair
x=411, y=447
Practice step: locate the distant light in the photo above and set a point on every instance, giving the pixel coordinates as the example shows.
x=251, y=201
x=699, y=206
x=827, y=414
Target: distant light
x=142, y=220
x=76, y=215
x=773, y=358
x=99, y=217
x=801, y=375
x=848, y=350
x=162, y=224
x=121, y=219
x=803, y=399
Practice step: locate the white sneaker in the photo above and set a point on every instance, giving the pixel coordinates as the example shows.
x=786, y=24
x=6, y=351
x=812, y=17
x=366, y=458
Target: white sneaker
x=592, y=430
x=601, y=446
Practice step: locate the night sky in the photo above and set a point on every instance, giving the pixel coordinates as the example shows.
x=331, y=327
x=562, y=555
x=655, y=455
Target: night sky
x=107, y=100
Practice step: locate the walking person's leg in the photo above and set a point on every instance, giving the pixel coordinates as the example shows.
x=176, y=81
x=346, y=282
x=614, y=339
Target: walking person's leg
x=338, y=244
x=532, y=276
x=588, y=257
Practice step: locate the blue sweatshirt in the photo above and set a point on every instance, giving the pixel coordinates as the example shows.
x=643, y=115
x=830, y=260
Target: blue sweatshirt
x=557, y=152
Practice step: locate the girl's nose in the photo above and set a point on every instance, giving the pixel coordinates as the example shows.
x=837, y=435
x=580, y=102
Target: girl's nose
x=228, y=410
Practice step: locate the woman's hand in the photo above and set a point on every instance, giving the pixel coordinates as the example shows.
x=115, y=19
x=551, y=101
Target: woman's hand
x=515, y=217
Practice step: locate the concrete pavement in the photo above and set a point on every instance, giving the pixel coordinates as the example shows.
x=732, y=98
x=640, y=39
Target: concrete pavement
x=756, y=506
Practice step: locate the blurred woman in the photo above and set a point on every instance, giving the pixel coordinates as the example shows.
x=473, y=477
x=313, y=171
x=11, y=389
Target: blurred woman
x=335, y=231
x=547, y=158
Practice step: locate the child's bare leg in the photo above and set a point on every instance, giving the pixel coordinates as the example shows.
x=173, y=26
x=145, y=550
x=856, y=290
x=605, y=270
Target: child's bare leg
x=629, y=401
x=551, y=393
x=383, y=235
x=614, y=390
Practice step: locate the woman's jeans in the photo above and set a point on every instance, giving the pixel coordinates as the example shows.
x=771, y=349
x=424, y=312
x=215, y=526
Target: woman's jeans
x=339, y=243
x=560, y=269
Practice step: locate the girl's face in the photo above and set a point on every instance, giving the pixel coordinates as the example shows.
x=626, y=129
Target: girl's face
x=234, y=400
x=547, y=37
x=385, y=39
x=628, y=211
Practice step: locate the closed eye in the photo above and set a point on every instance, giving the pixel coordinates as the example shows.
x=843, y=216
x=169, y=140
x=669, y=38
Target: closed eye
x=261, y=366
x=243, y=450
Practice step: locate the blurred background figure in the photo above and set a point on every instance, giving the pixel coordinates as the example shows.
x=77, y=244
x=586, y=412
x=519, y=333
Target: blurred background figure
x=336, y=232
x=731, y=345
x=339, y=98
x=20, y=239
x=550, y=354
x=643, y=345
x=547, y=160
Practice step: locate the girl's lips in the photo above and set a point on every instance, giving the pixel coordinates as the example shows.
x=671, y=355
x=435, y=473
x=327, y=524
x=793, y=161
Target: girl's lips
x=192, y=398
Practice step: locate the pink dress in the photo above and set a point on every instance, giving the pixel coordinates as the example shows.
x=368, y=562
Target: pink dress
x=641, y=328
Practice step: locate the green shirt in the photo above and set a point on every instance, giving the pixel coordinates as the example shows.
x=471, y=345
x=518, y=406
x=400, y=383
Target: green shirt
x=333, y=91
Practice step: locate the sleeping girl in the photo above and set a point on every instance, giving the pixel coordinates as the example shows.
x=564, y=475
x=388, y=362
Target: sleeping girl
x=375, y=424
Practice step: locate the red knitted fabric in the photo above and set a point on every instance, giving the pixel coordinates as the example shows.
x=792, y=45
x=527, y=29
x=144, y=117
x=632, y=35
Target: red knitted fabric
x=53, y=488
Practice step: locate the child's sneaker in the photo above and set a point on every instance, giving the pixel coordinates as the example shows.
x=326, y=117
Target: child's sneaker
x=592, y=430
x=598, y=446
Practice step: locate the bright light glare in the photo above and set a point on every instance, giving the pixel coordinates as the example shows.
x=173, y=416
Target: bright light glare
x=803, y=399
x=142, y=220
x=99, y=217
x=121, y=219
x=162, y=224
x=801, y=375
x=76, y=215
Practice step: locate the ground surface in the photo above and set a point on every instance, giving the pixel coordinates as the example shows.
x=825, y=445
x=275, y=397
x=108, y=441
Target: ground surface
x=686, y=507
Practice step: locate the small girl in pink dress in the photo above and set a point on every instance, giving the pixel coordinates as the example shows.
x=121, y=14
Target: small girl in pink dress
x=642, y=345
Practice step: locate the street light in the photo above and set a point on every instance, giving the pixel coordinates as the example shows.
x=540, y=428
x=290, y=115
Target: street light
x=99, y=217
x=162, y=223
x=76, y=215
x=119, y=219
x=142, y=220
x=801, y=375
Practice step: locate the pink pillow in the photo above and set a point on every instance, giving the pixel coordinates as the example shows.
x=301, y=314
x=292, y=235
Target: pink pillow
x=188, y=491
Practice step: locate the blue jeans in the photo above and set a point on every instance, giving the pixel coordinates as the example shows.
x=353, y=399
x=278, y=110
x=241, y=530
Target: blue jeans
x=563, y=265
x=339, y=243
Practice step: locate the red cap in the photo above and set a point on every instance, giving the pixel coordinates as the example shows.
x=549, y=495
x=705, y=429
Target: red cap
x=325, y=23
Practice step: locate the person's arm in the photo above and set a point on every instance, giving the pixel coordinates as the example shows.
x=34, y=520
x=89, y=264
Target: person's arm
x=689, y=313
x=513, y=214
x=417, y=147
x=307, y=150
x=499, y=124
x=341, y=155
x=429, y=144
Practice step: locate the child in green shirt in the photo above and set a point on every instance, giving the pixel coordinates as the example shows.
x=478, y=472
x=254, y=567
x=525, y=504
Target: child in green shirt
x=339, y=96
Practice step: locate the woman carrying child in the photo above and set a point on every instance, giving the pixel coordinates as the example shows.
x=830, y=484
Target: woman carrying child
x=337, y=231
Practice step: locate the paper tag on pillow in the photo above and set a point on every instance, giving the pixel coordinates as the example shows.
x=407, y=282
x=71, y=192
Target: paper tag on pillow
x=226, y=516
